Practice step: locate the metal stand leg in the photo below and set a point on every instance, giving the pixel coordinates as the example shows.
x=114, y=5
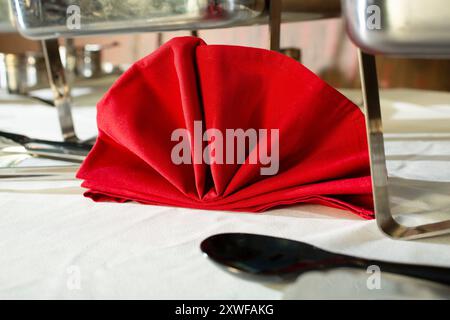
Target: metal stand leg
x=60, y=88
x=383, y=214
x=275, y=24
x=275, y=10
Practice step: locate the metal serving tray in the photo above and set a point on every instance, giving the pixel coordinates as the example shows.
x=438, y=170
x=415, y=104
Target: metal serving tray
x=43, y=19
x=418, y=28
x=407, y=27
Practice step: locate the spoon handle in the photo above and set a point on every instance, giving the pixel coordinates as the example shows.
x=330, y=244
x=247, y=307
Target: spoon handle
x=431, y=273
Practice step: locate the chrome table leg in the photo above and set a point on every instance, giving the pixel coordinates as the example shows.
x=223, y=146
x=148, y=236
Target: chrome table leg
x=383, y=214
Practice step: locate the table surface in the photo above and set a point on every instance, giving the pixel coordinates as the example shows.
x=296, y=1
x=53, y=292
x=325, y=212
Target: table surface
x=54, y=243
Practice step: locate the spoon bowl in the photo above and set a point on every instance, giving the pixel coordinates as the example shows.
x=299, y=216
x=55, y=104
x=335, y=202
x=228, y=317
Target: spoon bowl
x=266, y=258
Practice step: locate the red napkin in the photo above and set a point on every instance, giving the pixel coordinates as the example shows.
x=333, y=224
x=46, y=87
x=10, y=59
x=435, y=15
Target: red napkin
x=322, y=157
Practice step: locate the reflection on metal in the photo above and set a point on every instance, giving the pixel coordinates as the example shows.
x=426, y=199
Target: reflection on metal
x=385, y=220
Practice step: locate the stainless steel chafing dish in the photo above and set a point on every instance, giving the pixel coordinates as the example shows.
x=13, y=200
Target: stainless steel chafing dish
x=415, y=28
x=48, y=18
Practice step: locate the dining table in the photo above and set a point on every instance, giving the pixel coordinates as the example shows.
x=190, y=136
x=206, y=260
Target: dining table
x=57, y=244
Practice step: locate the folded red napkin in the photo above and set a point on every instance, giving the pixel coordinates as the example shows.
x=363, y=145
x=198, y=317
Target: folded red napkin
x=227, y=128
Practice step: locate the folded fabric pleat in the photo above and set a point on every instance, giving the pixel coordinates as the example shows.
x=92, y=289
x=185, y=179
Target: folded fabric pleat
x=322, y=149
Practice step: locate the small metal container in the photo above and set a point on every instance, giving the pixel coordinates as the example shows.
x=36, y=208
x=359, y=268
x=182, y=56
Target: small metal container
x=89, y=61
x=15, y=73
x=291, y=52
x=36, y=71
x=3, y=79
x=20, y=73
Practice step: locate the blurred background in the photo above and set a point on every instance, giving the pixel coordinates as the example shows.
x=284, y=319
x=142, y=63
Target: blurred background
x=325, y=49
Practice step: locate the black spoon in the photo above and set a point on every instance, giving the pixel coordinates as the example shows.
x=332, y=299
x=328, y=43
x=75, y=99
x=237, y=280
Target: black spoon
x=260, y=257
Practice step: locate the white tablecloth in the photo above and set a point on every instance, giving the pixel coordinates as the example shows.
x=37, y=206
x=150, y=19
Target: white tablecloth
x=54, y=243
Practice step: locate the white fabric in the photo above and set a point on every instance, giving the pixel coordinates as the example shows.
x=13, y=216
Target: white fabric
x=357, y=284
x=49, y=232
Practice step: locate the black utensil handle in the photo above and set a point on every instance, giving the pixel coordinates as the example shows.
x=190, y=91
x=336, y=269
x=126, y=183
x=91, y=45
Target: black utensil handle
x=19, y=138
x=56, y=146
x=431, y=273
x=65, y=144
